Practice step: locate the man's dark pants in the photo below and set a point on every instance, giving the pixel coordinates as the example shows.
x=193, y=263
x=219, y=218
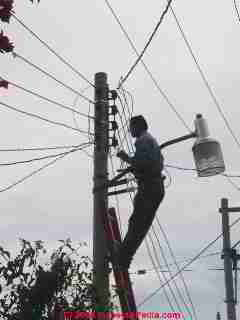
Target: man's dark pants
x=146, y=202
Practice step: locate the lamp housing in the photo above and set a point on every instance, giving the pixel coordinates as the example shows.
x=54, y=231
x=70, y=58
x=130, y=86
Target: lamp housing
x=207, y=153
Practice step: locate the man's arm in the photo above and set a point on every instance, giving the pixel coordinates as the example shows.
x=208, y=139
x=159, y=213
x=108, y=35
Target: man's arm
x=124, y=157
x=145, y=156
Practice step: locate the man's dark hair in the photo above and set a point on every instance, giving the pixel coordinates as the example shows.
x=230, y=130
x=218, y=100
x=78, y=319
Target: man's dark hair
x=139, y=122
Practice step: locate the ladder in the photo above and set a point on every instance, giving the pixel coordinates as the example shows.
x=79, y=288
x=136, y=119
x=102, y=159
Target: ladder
x=124, y=286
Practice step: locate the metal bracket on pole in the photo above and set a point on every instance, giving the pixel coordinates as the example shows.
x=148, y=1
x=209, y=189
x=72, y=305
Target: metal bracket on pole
x=183, y=138
x=121, y=191
x=115, y=181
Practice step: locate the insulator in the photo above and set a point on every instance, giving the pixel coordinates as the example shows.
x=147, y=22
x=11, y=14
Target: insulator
x=114, y=125
x=114, y=94
x=114, y=110
x=114, y=142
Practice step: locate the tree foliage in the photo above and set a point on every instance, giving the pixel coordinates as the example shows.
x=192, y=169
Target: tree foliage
x=32, y=291
x=6, y=11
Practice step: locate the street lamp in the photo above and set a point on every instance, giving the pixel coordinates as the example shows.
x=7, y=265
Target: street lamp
x=207, y=152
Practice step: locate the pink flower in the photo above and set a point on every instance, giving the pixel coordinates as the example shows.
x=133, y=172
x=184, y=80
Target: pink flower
x=6, y=7
x=5, y=44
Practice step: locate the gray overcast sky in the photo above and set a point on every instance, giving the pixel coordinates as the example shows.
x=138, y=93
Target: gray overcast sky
x=57, y=203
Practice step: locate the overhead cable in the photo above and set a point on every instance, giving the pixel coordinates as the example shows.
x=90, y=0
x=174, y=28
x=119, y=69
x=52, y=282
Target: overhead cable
x=164, y=276
x=207, y=84
x=158, y=275
x=178, y=268
x=16, y=55
x=186, y=265
x=148, y=43
x=160, y=90
x=53, y=51
x=40, y=169
x=236, y=9
x=49, y=100
x=142, y=271
x=227, y=175
x=39, y=158
x=42, y=118
x=38, y=148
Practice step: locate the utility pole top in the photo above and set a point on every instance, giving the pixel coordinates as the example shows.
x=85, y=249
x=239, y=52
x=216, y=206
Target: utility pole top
x=100, y=77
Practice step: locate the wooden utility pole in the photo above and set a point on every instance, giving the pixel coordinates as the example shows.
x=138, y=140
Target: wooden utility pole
x=100, y=266
x=227, y=256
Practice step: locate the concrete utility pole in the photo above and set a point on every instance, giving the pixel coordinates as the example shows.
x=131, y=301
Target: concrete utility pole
x=101, y=275
x=227, y=256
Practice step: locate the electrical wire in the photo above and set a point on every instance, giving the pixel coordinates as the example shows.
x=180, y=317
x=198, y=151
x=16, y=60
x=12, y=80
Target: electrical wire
x=170, y=273
x=42, y=118
x=169, y=176
x=230, y=175
x=38, y=148
x=178, y=268
x=165, y=278
x=37, y=159
x=181, y=261
x=48, y=99
x=116, y=199
x=158, y=275
x=89, y=124
x=38, y=170
x=191, y=169
x=233, y=183
x=156, y=84
x=16, y=55
x=130, y=146
x=236, y=8
x=148, y=43
x=123, y=92
x=186, y=265
x=89, y=117
x=179, y=168
x=227, y=176
x=206, y=82
x=53, y=51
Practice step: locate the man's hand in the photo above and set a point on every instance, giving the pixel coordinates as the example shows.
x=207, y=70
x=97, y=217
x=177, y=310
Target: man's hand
x=123, y=156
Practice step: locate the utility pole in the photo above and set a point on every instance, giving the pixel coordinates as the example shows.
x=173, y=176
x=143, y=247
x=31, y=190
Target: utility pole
x=227, y=256
x=100, y=265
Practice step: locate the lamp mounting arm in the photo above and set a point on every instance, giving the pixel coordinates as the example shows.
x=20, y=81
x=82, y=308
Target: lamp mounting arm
x=183, y=138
